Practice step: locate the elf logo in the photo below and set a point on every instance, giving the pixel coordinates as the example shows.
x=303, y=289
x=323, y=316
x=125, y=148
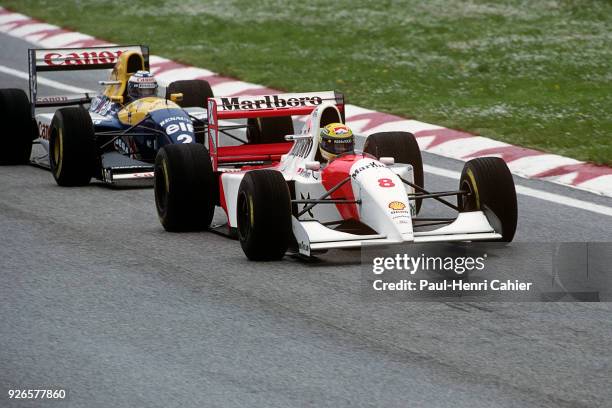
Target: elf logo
x=181, y=126
x=185, y=129
x=269, y=102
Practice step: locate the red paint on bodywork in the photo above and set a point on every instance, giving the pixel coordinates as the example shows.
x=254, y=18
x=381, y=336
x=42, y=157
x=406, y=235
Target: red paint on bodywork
x=254, y=152
x=333, y=174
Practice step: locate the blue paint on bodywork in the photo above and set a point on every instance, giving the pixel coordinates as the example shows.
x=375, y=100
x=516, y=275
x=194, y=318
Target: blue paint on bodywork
x=159, y=128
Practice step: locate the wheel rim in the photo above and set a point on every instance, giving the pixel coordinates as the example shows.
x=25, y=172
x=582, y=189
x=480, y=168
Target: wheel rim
x=468, y=201
x=161, y=188
x=58, y=152
x=244, y=222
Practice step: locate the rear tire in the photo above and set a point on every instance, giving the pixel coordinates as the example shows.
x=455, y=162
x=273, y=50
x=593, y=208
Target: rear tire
x=184, y=187
x=72, y=149
x=18, y=130
x=403, y=147
x=490, y=183
x=195, y=92
x=264, y=215
x=269, y=129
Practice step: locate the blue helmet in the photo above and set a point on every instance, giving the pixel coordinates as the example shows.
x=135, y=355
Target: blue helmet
x=142, y=84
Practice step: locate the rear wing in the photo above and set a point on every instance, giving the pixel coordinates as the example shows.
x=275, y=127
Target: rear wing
x=241, y=107
x=73, y=59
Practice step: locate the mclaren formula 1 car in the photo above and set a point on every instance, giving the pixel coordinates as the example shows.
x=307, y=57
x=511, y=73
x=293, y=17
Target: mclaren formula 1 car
x=103, y=136
x=280, y=197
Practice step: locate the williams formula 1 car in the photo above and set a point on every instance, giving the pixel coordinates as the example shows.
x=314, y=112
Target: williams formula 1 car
x=282, y=196
x=115, y=139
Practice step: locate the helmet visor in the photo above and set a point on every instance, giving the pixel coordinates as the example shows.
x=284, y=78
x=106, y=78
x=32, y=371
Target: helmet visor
x=336, y=145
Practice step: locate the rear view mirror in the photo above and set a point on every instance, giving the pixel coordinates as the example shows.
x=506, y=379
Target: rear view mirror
x=117, y=99
x=313, y=165
x=176, y=97
x=387, y=161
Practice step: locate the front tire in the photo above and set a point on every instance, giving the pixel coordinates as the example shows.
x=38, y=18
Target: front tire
x=18, y=130
x=184, y=187
x=72, y=149
x=264, y=215
x=403, y=147
x=491, y=190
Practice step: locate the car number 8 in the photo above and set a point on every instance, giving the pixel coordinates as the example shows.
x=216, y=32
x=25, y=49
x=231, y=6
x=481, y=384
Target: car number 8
x=386, y=182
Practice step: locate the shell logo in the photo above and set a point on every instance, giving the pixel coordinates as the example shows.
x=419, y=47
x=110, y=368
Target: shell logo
x=397, y=205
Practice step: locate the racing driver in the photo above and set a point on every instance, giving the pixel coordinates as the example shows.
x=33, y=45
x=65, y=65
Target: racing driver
x=334, y=140
x=141, y=84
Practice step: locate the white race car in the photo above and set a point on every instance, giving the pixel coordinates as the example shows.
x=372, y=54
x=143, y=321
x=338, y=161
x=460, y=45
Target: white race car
x=282, y=196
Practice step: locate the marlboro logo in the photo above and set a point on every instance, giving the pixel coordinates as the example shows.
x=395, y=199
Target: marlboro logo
x=270, y=102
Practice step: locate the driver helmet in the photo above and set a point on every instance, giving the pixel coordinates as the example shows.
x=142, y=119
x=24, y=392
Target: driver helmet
x=142, y=84
x=335, y=139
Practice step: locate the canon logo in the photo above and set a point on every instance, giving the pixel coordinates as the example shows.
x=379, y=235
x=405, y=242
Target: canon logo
x=82, y=58
x=269, y=102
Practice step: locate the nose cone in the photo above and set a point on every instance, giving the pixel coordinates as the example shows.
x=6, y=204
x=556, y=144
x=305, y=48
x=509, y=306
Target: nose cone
x=384, y=200
x=175, y=124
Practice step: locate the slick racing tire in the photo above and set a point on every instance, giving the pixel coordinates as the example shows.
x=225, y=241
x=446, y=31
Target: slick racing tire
x=403, y=147
x=184, y=187
x=18, y=128
x=72, y=148
x=195, y=92
x=491, y=189
x=264, y=215
x=269, y=129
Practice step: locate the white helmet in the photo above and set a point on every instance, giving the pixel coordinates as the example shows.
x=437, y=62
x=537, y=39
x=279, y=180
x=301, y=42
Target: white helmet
x=142, y=84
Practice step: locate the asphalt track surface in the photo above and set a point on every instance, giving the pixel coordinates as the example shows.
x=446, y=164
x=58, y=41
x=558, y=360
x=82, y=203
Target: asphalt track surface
x=96, y=298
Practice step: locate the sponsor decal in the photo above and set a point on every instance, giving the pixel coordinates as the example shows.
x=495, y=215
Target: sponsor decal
x=304, y=246
x=122, y=146
x=139, y=175
x=397, y=205
x=101, y=106
x=56, y=59
x=143, y=79
x=49, y=99
x=44, y=130
x=174, y=118
x=269, y=102
x=181, y=126
x=307, y=174
x=370, y=165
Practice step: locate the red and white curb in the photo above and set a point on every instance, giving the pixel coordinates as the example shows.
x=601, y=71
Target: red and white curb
x=442, y=141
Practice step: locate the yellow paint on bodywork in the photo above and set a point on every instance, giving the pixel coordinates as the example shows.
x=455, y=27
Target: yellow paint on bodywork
x=137, y=110
x=120, y=73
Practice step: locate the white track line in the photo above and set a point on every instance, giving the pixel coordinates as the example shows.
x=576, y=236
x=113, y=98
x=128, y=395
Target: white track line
x=526, y=191
x=44, y=81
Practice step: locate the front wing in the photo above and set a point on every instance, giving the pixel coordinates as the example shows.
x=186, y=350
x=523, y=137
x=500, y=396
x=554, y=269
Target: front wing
x=312, y=236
